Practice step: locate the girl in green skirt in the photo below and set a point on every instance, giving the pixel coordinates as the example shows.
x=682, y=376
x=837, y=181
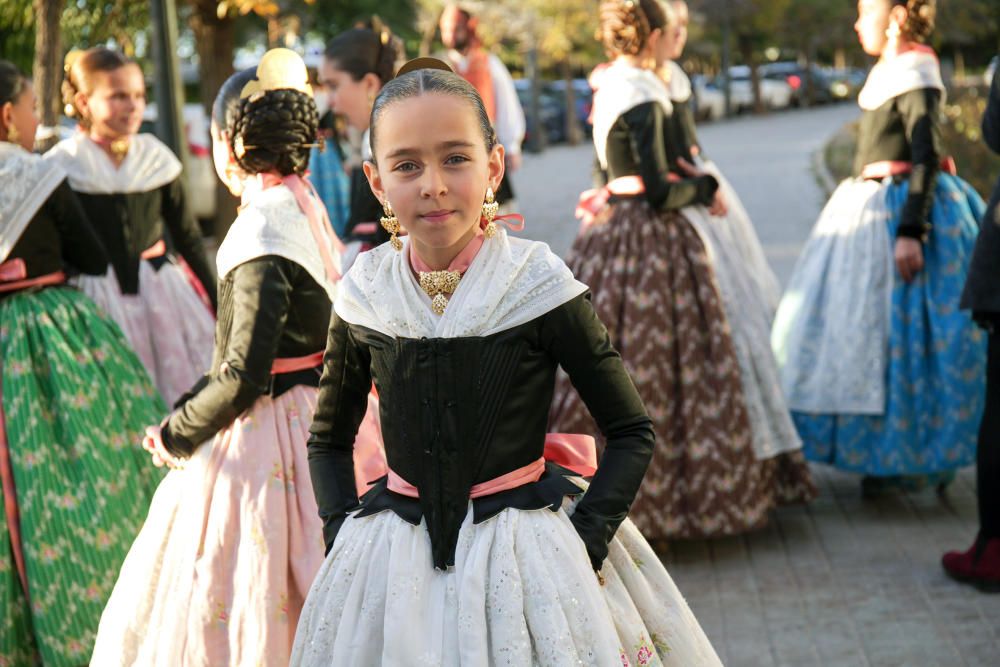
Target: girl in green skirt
x=74, y=401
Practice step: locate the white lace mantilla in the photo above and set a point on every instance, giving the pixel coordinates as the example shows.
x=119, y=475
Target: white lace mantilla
x=913, y=70
x=679, y=84
x=27, y=181
x=148, y=165
x=510, y=282
x=271, y=223
x=623, y=87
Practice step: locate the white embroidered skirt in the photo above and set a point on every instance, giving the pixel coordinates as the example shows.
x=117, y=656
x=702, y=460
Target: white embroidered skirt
x=522, y=592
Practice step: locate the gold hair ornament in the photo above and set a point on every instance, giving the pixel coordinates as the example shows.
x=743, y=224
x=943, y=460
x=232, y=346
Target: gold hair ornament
x=425, y=62
x=279, y=69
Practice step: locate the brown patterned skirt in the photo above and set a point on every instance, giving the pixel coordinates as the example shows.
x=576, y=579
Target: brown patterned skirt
x=654, y=288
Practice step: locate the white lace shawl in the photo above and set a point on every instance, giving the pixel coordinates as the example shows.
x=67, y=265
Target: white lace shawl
x=623, y=87
x=679, y=85
x=908, y=71
x=26, y=181
x=510, y=282
x=271, y=223
x=148, y=165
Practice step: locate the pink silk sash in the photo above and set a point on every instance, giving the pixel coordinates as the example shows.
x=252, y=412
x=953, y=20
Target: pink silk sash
x=10, y=501
x=592, y=201
x=57, y=278
x=573, y=451
x=293, y=364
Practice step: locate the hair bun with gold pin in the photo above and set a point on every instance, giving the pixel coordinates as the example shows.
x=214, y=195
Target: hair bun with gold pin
x=279, y=69
x=425, y=62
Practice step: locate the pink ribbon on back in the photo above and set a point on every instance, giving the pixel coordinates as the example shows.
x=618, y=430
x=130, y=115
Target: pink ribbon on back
x=319, y=222
x=505, y=220
x=14, y=269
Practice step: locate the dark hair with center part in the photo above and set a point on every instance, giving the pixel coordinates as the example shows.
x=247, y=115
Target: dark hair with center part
x=421, y=81
x=12, y=83
x=371, y=49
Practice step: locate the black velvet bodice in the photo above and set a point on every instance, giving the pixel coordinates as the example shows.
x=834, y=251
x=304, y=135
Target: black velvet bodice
x=269, y=308
x=456, y=412
x=60, y=237
x=682, y=131
x=906, y=128
x=129, y=223
x=641, y=143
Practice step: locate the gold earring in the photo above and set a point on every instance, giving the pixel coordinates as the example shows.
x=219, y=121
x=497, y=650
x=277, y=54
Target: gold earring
x=390, y=223
x=490, y=209
x=893, y=31
x=13, y=136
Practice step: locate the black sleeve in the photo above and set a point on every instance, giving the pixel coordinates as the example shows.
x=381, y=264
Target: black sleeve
x=921, y=114
x=186, y=234
x=261, y=297
x=991, y=119
x=80, y=246
x=647, y=125
x=598, y=174
x=577, y=339
x=342, y=404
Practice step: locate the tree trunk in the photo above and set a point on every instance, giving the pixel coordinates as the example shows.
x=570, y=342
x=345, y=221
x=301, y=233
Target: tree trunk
x=959, y=64
x=574, y=134
x=216, y=41
x=48, y=69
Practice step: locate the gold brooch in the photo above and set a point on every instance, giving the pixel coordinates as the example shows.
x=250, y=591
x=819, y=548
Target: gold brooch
x=437, y=285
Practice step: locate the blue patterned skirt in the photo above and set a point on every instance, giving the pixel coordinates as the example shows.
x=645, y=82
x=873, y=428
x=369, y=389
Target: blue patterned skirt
x=935, y=361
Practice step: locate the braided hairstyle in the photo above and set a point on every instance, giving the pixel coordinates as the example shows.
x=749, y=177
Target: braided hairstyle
x=627, y=24
x=370, y=48
x=920, y=18
x=80, y=68
x=276, y=130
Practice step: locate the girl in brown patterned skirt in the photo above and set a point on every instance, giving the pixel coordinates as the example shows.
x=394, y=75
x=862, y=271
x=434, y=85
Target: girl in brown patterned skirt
x=655, y=288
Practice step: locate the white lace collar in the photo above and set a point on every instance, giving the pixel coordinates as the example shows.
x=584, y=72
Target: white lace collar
x=623, y=87
x=913, y=70
x=510, y=282
x=271, y=223
x=148, y=165
x=27, y=181
x=679, y=85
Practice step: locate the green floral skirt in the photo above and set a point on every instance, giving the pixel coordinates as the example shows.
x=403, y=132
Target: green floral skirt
x=76, y=401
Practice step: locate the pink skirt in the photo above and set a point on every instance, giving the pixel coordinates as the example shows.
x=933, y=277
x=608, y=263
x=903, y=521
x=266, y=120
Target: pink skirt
x=167, y=324
x=231, y=544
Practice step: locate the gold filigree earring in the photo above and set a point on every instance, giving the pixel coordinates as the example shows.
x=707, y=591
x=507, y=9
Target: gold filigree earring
x=390, y=223
x=13, y=136
x=490, y=209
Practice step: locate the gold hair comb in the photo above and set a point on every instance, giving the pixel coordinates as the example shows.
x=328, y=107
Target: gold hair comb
x=279, y=69
x=423, y=63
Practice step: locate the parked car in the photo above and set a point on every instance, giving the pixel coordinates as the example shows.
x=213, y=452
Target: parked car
x=799, y=79
x=583, y=98
x=775, y=94
x=551, y=110
x=709, y=101
x=991, y=70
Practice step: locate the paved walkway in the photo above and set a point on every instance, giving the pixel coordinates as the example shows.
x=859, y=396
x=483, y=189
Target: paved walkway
x=844, y=581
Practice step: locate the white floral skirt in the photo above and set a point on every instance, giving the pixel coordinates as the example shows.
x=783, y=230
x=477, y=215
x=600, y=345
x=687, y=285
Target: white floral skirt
x=522, y=592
